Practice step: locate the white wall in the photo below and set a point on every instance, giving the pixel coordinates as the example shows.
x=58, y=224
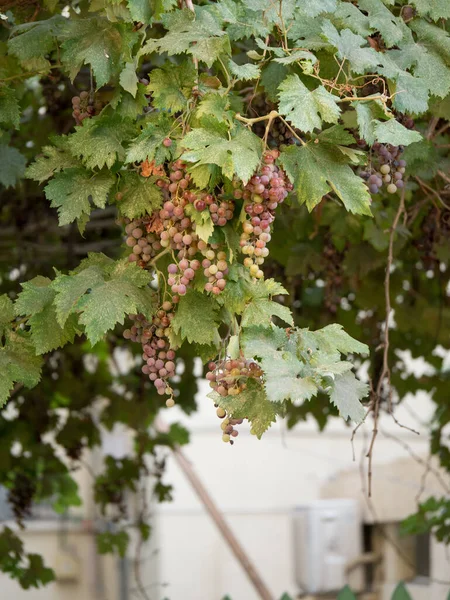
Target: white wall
x=256, y=483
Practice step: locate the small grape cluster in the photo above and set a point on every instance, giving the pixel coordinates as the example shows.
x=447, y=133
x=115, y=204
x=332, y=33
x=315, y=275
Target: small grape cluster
x=85, y=106
x=158, y=356
x=264, y=192
x=228, y=425
x=390, y=170
x=228, y=377
x=20, y=496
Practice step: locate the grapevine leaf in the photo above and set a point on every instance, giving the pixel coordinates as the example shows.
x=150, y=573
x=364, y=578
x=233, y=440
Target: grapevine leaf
x=18, y=364
x=214, y=105
x=381, y=19
x=331, y=339
x=400, y=592
x=52, y=160
x=99, y=141
x=71, y=190
x=140, y=195
x=261, y=310
x=69, y=290
x=120, y=290
x=346, y=393
x=128, y=78
x=393, y=132
x=35, y=39
x=98, y=42
x=433, y=37
x=350, y=47
x=6, y=312
x=243, y=72
x=12, y=165
x=239, y=155
x=196, y=318
x=285, y=380
x=9, y=107
x=271, y=77
x=436, y=9
x=233, y=347
x=204, y=225
x=263, y=341
x=306, y=109
x=252, y=404
x=198, y=34
x=316, y=170
x=36, y=300
x=298, y=56
x=346, y=594
x=149, y=144
x=171, y=86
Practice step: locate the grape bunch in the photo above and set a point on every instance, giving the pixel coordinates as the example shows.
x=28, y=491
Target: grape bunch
x=173, y=227
x=228, y=377
x=227, y=425
x=390, y=171
x=158, y=356
x=264, y=192
x=85, y=106
x=20, y=496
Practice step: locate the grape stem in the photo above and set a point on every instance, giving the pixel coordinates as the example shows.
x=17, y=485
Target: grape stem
x=269, y=117
x=158, y=256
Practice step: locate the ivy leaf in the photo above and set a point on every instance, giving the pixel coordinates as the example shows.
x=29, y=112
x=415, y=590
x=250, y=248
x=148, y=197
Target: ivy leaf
x=52, y=160
x=114, y=292
x=171, y=86
x=240, y=155
x=12, y=165
x=71, y=190
x=97, y=42
x=18, y=364
x=346, y=393
x=141, y=195
x=9, y=107
x=128, y=78
x=306, y=109
x=149, y=144
x=196, y=318
x=252, y=404
x=351, y=47
x=316, y=170
x=100, y=140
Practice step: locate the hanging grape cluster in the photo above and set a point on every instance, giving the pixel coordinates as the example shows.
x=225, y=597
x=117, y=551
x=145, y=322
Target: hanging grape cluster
x=229, y=377
x=386, y=169
x=264, y=192
x=84, y=106
x=158, y=356
x=172, y=230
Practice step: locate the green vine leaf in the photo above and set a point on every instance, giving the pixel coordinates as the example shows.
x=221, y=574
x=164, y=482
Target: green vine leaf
x=239, y=155
x=316, y=170
x=196, y=319
x=18, y=364
x=72, y=190
x=346, y=393
x=306, y=109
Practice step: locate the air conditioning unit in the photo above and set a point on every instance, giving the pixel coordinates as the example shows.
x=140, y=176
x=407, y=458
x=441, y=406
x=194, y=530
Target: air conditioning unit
x=327, y=538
